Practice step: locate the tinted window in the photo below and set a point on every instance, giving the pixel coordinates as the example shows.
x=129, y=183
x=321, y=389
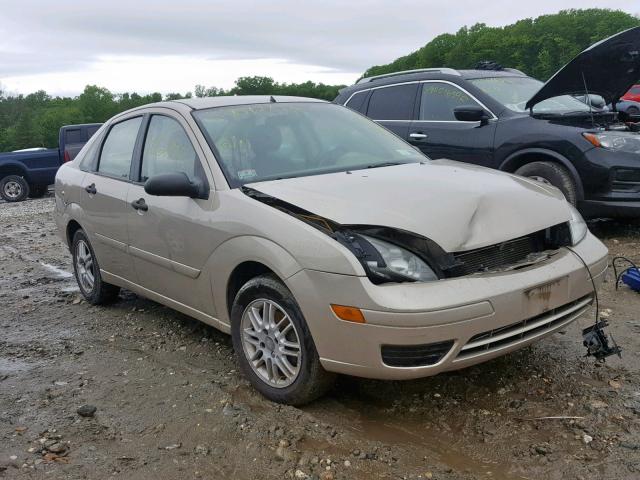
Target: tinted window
x=117, y=150
x=392, y=103
x=74, y=136
x=92, y=130
x=439, y=100
x=357, y=101
x=167, y=149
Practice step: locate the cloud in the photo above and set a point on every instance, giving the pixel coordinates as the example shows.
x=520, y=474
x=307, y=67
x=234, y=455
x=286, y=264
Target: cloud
x=42, y=41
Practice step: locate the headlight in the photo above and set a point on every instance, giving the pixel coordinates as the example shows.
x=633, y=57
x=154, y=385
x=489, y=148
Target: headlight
x=617, y=141
x=577, y=225
x=398, y=264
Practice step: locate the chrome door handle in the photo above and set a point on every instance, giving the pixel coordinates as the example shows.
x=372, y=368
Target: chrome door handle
x=417, y=136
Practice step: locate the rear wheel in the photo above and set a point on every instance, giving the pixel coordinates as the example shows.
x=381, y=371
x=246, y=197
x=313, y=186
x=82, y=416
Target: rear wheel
x=552, y=174
x=85, y=266
x=14, y=188
x=273, y=343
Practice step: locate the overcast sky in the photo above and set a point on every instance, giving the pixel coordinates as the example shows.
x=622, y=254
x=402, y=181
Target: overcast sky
x=154, y=45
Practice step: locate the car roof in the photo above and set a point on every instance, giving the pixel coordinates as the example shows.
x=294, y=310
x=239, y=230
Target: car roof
x=430, y=74
x=231, y=100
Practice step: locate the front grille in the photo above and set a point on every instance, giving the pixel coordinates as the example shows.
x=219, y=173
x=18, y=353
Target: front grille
x=415, y=355
x=496, y=256
x=502, y=337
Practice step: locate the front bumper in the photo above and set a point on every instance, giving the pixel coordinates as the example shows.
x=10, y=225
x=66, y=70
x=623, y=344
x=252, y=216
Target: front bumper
x=549, y=295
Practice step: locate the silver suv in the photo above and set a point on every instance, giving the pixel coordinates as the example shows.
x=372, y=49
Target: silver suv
x=321, y=241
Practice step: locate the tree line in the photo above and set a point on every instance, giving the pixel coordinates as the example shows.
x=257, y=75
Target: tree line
x=34, y=120
x=537, y=46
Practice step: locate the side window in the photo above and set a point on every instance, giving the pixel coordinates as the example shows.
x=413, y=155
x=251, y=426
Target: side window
x=117, y=150
x=439, y=99
x=92, y=130
x=357, y=101
x=167, y=149
x=392, y=103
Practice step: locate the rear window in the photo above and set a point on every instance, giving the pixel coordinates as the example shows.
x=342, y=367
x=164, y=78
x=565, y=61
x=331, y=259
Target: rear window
x=74, y=135
x=393, y=103
x=92, y=130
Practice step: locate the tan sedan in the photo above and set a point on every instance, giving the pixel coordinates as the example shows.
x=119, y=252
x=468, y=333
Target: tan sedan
x=322, y=242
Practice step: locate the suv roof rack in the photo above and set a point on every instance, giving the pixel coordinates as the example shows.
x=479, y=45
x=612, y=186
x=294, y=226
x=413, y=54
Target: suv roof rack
x=448, y=71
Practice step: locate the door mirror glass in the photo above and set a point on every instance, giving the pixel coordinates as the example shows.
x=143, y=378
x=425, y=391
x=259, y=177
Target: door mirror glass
x=174, y=185
x=471, y=113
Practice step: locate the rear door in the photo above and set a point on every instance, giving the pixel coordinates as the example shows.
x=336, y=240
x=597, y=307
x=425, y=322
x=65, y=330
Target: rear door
x=171, y=237
x=393, y=107
x=104, y=198
x=439, y=135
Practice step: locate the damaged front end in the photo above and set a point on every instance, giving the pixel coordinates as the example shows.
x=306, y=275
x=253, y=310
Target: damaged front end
x=395, y=255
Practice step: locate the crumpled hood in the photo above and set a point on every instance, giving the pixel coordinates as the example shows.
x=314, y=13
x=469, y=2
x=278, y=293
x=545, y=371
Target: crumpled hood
x=610, y=68
x=457, y=205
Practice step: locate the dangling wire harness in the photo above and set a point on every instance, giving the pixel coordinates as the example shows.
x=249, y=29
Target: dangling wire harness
x=594, y=337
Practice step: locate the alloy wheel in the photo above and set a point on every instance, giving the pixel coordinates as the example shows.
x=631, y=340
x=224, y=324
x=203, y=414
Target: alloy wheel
x=85, y=266
x=271, y=343
x=12, y=189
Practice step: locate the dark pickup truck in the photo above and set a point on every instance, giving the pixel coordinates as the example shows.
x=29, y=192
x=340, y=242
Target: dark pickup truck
x=28, y=173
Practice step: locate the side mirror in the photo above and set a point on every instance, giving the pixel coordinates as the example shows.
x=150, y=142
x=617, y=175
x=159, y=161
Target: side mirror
x=471, y=113
x=175, y=185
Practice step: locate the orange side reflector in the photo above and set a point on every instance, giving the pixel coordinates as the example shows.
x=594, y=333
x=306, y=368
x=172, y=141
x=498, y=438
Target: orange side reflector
x=350, y=314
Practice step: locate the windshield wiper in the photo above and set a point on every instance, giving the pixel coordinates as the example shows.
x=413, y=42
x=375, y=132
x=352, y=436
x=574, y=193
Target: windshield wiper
x=385, y=164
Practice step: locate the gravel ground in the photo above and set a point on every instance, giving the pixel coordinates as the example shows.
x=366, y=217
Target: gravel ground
x=169, y=402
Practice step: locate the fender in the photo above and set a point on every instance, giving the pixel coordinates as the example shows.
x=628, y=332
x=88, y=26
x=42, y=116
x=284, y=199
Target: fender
x=227, y=256
x=505, y=165
x=15, y=168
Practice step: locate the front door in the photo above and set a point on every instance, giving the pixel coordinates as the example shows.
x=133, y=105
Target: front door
x=170, y=236
x=439, y=135
x=105, y=199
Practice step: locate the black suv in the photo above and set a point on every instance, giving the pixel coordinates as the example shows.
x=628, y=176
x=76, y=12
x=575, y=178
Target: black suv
x=501, y=118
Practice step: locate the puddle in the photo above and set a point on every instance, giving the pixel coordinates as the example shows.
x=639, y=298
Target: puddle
x=8, y=366
x=70, y=289
x=374, y=424
x=60, y=273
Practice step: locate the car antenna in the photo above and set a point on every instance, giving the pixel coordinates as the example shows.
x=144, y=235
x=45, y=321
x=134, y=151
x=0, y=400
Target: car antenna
x=586, y=91
x=271, y=99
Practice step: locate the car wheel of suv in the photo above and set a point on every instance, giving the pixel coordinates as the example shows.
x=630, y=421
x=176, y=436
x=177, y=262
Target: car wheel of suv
x=14, y=188
x=273, y=344
x=632, y=111
x=551, y=174
x=87, y=271
x=38, y=191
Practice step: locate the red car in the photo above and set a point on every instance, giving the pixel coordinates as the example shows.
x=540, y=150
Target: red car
x=633, y=94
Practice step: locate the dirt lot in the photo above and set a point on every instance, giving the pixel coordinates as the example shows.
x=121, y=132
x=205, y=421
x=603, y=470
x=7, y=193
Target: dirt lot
x=171, y=404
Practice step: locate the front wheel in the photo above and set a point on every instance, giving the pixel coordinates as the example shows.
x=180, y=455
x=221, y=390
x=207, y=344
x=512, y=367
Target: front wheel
x=551, y=174
x=85, y=266
x=273, y=343
x=14, y=188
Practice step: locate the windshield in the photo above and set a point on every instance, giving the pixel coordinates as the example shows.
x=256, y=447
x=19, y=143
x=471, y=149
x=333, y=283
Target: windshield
x=280, y=140
x=513, y=93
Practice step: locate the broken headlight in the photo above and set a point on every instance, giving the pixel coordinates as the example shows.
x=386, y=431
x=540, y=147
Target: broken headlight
x=616, y=141
x=577, y=225
x=395, y=264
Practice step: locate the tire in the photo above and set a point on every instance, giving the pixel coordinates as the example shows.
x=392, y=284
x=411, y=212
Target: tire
x=38, y=191
x=632, y=111
x=14, y=188
x=552, y=174
x=306, y=379
x=96, y=292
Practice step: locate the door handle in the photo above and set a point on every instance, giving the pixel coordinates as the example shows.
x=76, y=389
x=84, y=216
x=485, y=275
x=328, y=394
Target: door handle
x=91, y=189
x=140, y=204
x=417, y=136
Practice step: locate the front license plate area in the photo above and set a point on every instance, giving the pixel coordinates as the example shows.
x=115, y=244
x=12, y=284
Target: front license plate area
x=546, y=297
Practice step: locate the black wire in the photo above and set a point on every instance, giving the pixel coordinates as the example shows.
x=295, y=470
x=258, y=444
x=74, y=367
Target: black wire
x=593, y=282
x=615, y=270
